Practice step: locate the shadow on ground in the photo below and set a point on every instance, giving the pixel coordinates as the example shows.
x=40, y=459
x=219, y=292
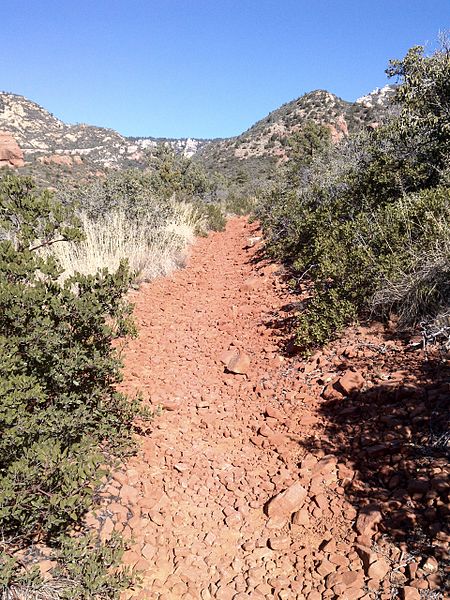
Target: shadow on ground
x=396, y=436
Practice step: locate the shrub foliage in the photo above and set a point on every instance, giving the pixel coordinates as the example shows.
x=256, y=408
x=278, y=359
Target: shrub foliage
x=61, y=418
x=368, y=220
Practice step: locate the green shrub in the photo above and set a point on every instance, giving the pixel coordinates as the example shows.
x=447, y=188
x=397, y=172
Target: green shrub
x=61, y=418
x=91, y=568
x=212, y=215
x=239, y=203
x=368, y=220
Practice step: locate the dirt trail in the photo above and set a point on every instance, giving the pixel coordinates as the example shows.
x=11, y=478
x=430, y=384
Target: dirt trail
x=194, y=499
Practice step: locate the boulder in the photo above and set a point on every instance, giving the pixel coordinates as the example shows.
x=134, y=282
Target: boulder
x=57, y=159
x=10, y=153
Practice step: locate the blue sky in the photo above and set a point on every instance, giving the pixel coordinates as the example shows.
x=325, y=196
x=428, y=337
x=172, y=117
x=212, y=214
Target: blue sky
x=201, y=68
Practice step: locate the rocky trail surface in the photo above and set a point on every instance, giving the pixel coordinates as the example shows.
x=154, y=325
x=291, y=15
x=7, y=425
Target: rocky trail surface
x=268, y=476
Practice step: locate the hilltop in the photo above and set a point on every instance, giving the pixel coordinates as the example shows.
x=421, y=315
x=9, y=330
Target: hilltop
x=265, y=144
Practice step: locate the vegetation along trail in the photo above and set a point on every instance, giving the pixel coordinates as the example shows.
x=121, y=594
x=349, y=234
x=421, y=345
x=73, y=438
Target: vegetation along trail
x=241, y=489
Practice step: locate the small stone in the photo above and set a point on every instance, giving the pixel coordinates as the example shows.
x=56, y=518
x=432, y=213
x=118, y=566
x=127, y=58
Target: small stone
x=367, y=519
x=301, y=517
x=236, y=361
x=325, y=568
x=181, y=467
x=378, y=569
x=351, y=381
x=274, y=413
x=280, y=543
x=46, y=567
x=339, y=560
x=348, y=578
x=234, y=520
x=148, y=551
x=430, y=565
x=171, y=404
x=410, y=593
x=366, y=555
x=287, y=502
x=412, y=569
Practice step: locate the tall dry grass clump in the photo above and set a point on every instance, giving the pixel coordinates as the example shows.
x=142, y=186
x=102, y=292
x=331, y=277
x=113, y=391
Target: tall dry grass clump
x=151, y=250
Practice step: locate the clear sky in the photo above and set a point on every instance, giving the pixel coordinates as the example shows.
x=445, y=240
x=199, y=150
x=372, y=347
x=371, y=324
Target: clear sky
x=201, y=68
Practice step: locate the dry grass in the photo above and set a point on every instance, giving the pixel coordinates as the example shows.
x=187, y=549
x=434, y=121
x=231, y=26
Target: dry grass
x=51, y=590
x=420, y=293
x=151, y=250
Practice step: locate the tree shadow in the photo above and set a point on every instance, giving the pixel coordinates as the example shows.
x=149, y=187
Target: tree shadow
x=396, y=437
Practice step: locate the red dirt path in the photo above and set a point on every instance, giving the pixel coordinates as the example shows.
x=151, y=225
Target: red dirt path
x=194, y=498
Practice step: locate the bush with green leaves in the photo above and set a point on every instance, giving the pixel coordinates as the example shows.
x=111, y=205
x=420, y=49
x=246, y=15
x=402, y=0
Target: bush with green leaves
x=61, y=419
x=212, y=215
x=369, y=220
x=131, y=191
x=239, y=202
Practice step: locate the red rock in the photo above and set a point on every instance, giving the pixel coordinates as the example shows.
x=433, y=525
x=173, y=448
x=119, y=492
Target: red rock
x=234, y=520
x=409, y=593
x=10, y=153
x=322, y=501
x=430, y=565
x=129, y=494
x=339, y=560
x=250, y=284
x=345, y=474
x=351, y=381
x=378, y=569
x=46, y=567
x=130, y=558
x=107, y=529
x=354, y=593
x=148, y=551
x=367, y=520
x=265, y=430
x=58, y=159
x=280, y=543
x=287, y=502
x=274, y=413
x=412, y=569
x=301, y=517
x=366, y=555
x=419, y=584
x=171, y=404
x=277, y=522
x=325, y=568
x=236, y=361
x=181, y=467
x=331, y=393
x=348, y=578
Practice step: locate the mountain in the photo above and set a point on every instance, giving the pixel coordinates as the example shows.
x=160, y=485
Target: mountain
x=52, y=148
x=47, y=142
x=265, y=144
